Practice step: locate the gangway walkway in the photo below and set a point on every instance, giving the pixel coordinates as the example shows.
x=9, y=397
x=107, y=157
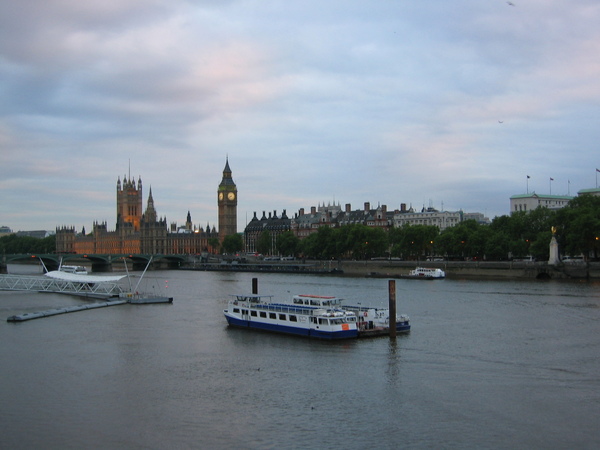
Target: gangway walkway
x=47, y=284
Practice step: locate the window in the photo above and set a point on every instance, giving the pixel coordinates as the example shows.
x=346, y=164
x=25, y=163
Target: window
x=263, y=314
x=293, y=318
x=236, y=310
x=282, y=317
x=253, y=313
x=272, y=316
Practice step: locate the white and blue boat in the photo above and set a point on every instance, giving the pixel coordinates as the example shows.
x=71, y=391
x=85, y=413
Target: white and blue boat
x=311, y=316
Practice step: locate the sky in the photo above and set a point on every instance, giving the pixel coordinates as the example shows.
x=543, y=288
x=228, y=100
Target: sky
x=437, y=103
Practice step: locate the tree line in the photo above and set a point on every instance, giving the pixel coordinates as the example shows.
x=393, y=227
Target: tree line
x=14, y=245
x=520, y=235
x=577, y=231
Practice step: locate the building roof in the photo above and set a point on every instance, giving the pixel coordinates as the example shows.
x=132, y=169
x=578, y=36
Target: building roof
x=589, y=191
x=534, y=195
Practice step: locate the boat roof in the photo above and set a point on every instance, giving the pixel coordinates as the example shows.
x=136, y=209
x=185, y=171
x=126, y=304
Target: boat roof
x=78, y=278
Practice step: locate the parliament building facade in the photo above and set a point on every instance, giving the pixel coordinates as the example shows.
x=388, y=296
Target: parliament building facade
x=144, y=232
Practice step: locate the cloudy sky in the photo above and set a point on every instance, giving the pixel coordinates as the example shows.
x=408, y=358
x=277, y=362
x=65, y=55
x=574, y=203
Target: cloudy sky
x=436, y=103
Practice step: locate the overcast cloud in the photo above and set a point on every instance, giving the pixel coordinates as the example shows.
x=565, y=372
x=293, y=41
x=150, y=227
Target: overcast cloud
x=448, y=104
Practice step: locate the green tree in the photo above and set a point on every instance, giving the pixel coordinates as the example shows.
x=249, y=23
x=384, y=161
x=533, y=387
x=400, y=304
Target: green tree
x=497, y=245
x=213, y=243
x=287, y=244
x=540, y=247
x=579, y=226
x=461, y=240
x=13, y=244
x=321, y=245
x=263, y=243
x=233, y=243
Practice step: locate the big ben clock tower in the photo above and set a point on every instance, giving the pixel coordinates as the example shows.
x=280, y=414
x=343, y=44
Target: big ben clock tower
x=227, y=201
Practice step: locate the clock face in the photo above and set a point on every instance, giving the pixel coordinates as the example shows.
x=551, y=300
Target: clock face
x=220, y=196
x=231, y=196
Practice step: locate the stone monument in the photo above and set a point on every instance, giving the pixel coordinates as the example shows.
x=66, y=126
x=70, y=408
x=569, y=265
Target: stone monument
x=553, y=259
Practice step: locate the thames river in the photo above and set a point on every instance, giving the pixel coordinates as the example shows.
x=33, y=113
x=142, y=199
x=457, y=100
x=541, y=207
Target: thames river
x=488, y=364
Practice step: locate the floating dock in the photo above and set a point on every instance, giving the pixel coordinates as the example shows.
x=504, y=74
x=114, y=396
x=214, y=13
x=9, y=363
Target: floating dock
x=69, y=309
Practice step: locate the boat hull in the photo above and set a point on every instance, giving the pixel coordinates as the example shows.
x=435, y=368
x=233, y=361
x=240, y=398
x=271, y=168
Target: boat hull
x=291, y=330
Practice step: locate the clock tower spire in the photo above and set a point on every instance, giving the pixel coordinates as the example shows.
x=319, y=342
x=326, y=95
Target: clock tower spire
x=227, y=201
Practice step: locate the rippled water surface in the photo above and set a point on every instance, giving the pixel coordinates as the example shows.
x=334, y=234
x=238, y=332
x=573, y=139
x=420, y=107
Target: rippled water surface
x=488, y=364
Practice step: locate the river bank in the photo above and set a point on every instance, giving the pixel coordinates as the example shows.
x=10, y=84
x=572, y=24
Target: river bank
x=475, y=269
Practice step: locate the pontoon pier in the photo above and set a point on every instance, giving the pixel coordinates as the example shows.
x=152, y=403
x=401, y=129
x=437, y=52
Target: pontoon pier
x=47, y=284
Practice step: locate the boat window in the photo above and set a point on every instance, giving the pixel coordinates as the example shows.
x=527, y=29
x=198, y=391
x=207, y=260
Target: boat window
x=281, y=316
x=253, y=313
x=244, y=311
x=323, y=321
x=315, y=302
x=313, y=320
x=236, y=310
x=298, y=301
x=293, y=318
x=263, y=314
x=272, y=316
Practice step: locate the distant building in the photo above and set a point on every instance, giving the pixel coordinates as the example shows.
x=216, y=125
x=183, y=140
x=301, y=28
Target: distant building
x=429, y=216
x=5, y=231
x=227, y=203
x=143, y=232
x=274, y=224
x=303, y=224
x=478, y=217
x=39, y=234
x=529, y=202
x=593, y=191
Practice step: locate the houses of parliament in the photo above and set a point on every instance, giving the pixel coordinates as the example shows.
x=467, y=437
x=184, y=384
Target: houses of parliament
x=144, y=232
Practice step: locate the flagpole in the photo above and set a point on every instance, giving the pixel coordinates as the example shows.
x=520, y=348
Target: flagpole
x=550, y=185
x=528, y=182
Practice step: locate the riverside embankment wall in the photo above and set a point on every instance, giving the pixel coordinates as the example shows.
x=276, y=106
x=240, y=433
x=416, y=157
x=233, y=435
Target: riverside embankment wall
x=474, y=269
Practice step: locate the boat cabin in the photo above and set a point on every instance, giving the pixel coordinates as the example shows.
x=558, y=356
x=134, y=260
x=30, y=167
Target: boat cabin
x=317, y=300
x=80, y=270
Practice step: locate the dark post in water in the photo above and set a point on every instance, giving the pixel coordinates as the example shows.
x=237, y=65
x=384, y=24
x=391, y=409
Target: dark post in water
x=255, y=286
x=392, y=307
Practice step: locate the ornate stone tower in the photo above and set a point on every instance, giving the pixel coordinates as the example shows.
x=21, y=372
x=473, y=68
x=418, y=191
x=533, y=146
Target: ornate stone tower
x=129, y=202
x=227, y=201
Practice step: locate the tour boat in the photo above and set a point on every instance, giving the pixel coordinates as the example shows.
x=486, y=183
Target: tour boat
x=79, y=270
x=310, y=315
x=425, y=273
x=320, y=318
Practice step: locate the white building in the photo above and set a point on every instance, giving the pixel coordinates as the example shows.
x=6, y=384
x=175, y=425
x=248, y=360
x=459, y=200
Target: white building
x=529, y=202
x=593, y=191
x=429, y=216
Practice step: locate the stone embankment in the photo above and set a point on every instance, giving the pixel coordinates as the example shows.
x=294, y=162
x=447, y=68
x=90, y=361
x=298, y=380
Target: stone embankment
x=475, y=269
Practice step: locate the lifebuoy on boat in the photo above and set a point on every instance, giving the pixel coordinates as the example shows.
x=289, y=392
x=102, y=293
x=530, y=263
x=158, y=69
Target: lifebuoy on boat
x=365, y=314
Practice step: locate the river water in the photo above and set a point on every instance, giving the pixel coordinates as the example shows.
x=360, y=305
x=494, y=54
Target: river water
x=488, y=364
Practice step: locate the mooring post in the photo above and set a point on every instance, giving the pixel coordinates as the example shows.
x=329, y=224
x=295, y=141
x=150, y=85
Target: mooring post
x=392, y=307
x=255, y=286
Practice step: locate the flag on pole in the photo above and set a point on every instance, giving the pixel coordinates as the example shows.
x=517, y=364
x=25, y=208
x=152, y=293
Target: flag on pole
x=530, y=177
x=551, y=179
x=597, y=170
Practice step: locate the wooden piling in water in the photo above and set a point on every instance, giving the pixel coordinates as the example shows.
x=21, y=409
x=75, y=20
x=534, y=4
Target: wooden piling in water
x=255, y=286
x=392, y=307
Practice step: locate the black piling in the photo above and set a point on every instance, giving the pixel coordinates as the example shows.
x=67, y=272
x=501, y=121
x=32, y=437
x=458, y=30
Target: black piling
x=255, y=286
x=392, y=307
